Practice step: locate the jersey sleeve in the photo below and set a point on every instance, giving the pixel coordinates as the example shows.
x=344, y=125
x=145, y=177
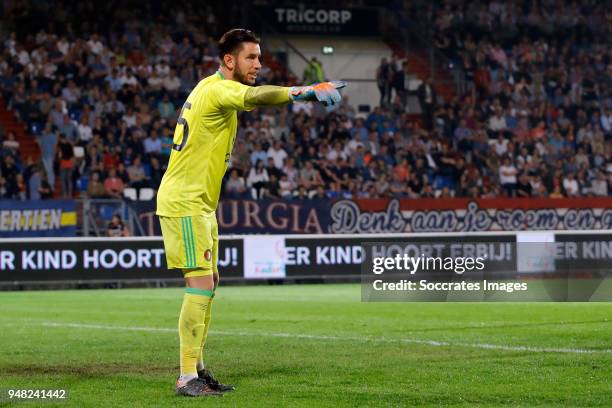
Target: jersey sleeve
x=230, y=95
x=268, y=95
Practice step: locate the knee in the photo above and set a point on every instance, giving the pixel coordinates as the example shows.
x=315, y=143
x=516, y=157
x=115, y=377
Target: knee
x=216, y=279
x=200, y=282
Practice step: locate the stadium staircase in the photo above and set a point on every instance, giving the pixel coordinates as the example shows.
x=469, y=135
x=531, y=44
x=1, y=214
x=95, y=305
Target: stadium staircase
x=419, y=65
x=275, y=65
x=28, y=148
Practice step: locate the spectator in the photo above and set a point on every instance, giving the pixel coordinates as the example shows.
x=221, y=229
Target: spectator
x=65, y=154
x=172, y=83
x=35, y=184
x=68, y=129
x=523, y=188
x=258, y=155
x=507, y=177
x=137, y=175
x=95, y=188
x=235, y=187
x=557, y=193
x=113, y=184
x=428, y=101
x=45, y=190
x=21, y=187
x=313, y=73
x=309, y=177
x=116, y=227
x=599, y=186
x=153, y=145
x=570, y=185
x=384, y=76
x=277, y=153
x=257, y=180
x=84, y=131
x=10, y=146
x=287, y=187
x=166, y=108
x=272, y=190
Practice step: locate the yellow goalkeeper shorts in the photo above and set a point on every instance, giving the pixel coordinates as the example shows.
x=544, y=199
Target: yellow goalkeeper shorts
x=191, y=243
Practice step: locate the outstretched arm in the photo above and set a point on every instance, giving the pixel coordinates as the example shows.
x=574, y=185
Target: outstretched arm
x=236, y=96
x=267, y=95
x=270, y=95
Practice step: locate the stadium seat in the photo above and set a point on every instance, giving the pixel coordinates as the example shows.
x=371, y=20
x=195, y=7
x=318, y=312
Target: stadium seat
x=79, y=152
x=146, y=194
x=82, y=183
x=37, y=128
x=130, y=193
x=107, y=212
x=75, y=115
x=147, y=169
x=414, y=84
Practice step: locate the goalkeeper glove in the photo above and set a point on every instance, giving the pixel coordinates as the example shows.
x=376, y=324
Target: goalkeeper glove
x=324, y=92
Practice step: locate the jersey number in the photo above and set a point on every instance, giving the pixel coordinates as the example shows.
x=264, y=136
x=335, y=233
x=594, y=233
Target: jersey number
x=182, y=121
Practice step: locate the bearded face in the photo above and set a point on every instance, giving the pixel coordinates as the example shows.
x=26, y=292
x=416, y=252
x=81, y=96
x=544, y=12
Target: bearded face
x=246, y=64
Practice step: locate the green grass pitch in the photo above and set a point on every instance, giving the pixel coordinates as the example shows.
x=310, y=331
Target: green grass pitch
x=307, y=345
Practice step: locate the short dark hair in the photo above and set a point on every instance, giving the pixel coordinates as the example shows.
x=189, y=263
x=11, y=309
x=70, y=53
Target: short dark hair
x=232, y=40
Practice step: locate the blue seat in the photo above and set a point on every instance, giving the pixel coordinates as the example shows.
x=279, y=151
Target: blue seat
x=75, y=114
x=441, y=182
x=147, y=169
x=36, y=128
x=107, y=211
x=82, y=183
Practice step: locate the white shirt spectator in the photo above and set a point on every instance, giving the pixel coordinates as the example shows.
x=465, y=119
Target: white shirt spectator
x=163, y=69
x=23, y=57
x=129, y=79
x=306, y=107
x=85, y=132
x=130, y=120
x=570, y=186
x=599, y=187
x=332, y=155
x=523, y=161
x=95, y=46
x=279, y=156
x=63, y=46
x=256, y=177
x=291, y=172
x=172, y=83
x=155, y=82
x=507, y=174
x=286, y=187
x=497, y=123
x=37, y=56
x=500, y=146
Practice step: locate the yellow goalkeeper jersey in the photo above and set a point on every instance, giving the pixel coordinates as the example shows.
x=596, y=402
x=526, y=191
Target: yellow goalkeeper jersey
x=203, y=142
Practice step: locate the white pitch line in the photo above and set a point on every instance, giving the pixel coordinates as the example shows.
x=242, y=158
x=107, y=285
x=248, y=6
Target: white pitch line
x=342, y=338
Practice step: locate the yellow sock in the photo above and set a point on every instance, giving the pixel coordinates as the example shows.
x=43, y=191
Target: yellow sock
x=200, y=365
x=192, y=327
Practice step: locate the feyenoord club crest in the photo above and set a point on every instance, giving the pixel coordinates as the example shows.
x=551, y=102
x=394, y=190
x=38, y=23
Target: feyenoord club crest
x=207, y=254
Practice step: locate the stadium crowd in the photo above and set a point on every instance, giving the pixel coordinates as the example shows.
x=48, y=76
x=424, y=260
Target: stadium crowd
x=536, y=119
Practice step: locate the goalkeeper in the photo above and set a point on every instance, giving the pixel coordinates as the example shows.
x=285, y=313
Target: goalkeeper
x=189, y=191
